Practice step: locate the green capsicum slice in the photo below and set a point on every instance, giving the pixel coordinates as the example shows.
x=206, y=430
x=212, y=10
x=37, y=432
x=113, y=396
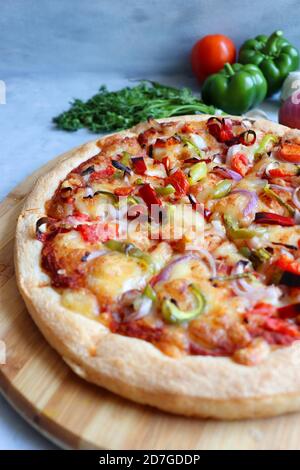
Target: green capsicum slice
x=264, y=144
x=236, y=233
x=150, y=293
x=165, y=190
x=130, y=249
x=173, y=314
x=284, y=204
x=197, y=172
x=221, y=189
x=191, y=144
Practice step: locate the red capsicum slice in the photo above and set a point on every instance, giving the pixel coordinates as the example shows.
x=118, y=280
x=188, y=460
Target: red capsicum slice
x=139, y=165
x=273, y=219
x=290, y=153
x=286, y=263
x=101, y=174
x=99, y=232
x=149, y=196
x=124, y=191
x=289, y=311
x=166, y=163
x=179, y=182
x=240, y=163
x=279, y=173
x=221, y=129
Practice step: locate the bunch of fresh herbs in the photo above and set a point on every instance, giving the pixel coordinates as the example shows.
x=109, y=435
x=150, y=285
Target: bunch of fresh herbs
x=116, y=110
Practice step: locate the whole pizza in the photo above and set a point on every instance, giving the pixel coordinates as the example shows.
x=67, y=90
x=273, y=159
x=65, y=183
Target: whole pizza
x=163, y=263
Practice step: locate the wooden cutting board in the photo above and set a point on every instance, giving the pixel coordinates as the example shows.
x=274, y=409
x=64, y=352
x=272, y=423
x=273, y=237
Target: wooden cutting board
x=79, y=415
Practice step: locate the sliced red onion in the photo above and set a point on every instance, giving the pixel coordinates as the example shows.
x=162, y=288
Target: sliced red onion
x=281, y=188
x=142, y=306
x=218, y=158
x=94, y=254
x=88, y=192
x=227, y=173
x=296, y=197
x=135, y=305
x=166, y=272
x=253, y=200
x=271, y=166
x=297, y=217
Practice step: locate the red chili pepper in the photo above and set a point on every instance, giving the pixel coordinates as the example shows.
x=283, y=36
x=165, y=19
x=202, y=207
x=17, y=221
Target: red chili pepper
x=125, y=191
x=179, y=181
x=273, y=219
x=149, y=195
x=139, y=165
x=240, y=163
x=101, y=174
x=289, y=311
x=285, y=263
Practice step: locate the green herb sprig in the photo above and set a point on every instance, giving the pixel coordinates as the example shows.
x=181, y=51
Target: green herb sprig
x=116, y=110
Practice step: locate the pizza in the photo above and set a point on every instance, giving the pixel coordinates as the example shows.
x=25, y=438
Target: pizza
x=163, y=263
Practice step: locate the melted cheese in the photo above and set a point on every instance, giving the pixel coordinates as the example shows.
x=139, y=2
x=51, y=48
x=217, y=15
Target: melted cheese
x=80, y=301
x=111, y=275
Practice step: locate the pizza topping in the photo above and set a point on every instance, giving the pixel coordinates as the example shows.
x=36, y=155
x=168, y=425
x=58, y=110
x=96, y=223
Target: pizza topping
x=215, y=271
x=296, y=197
x=252, y=200
x=197, y=172
x=148, y=194
x=240, y=163
x=273, y=219
x=290, y=153
x=227, y=173
x=120, y=166
x=139, y=165
x=266, y=144
x=179, y=181
x=173, y=314
x=222, y=189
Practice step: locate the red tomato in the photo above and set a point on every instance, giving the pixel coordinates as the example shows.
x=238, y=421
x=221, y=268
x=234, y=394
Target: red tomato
x=211, y=53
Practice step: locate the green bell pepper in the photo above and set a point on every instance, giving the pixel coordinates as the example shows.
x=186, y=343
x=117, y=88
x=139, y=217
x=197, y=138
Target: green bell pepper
x=173, y=314
x=236, y=88
x=236, y=233
x=130, y=249
x=274, y=55
x=221, y=189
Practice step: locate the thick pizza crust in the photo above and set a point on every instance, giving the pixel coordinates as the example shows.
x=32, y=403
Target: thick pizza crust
x=214, y=387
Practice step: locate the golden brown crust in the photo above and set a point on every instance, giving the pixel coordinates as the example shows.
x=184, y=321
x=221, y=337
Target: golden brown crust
x=135, y=369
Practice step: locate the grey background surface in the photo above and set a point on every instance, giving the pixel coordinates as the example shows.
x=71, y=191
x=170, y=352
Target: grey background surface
x=127, y=36
x=54, y=50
